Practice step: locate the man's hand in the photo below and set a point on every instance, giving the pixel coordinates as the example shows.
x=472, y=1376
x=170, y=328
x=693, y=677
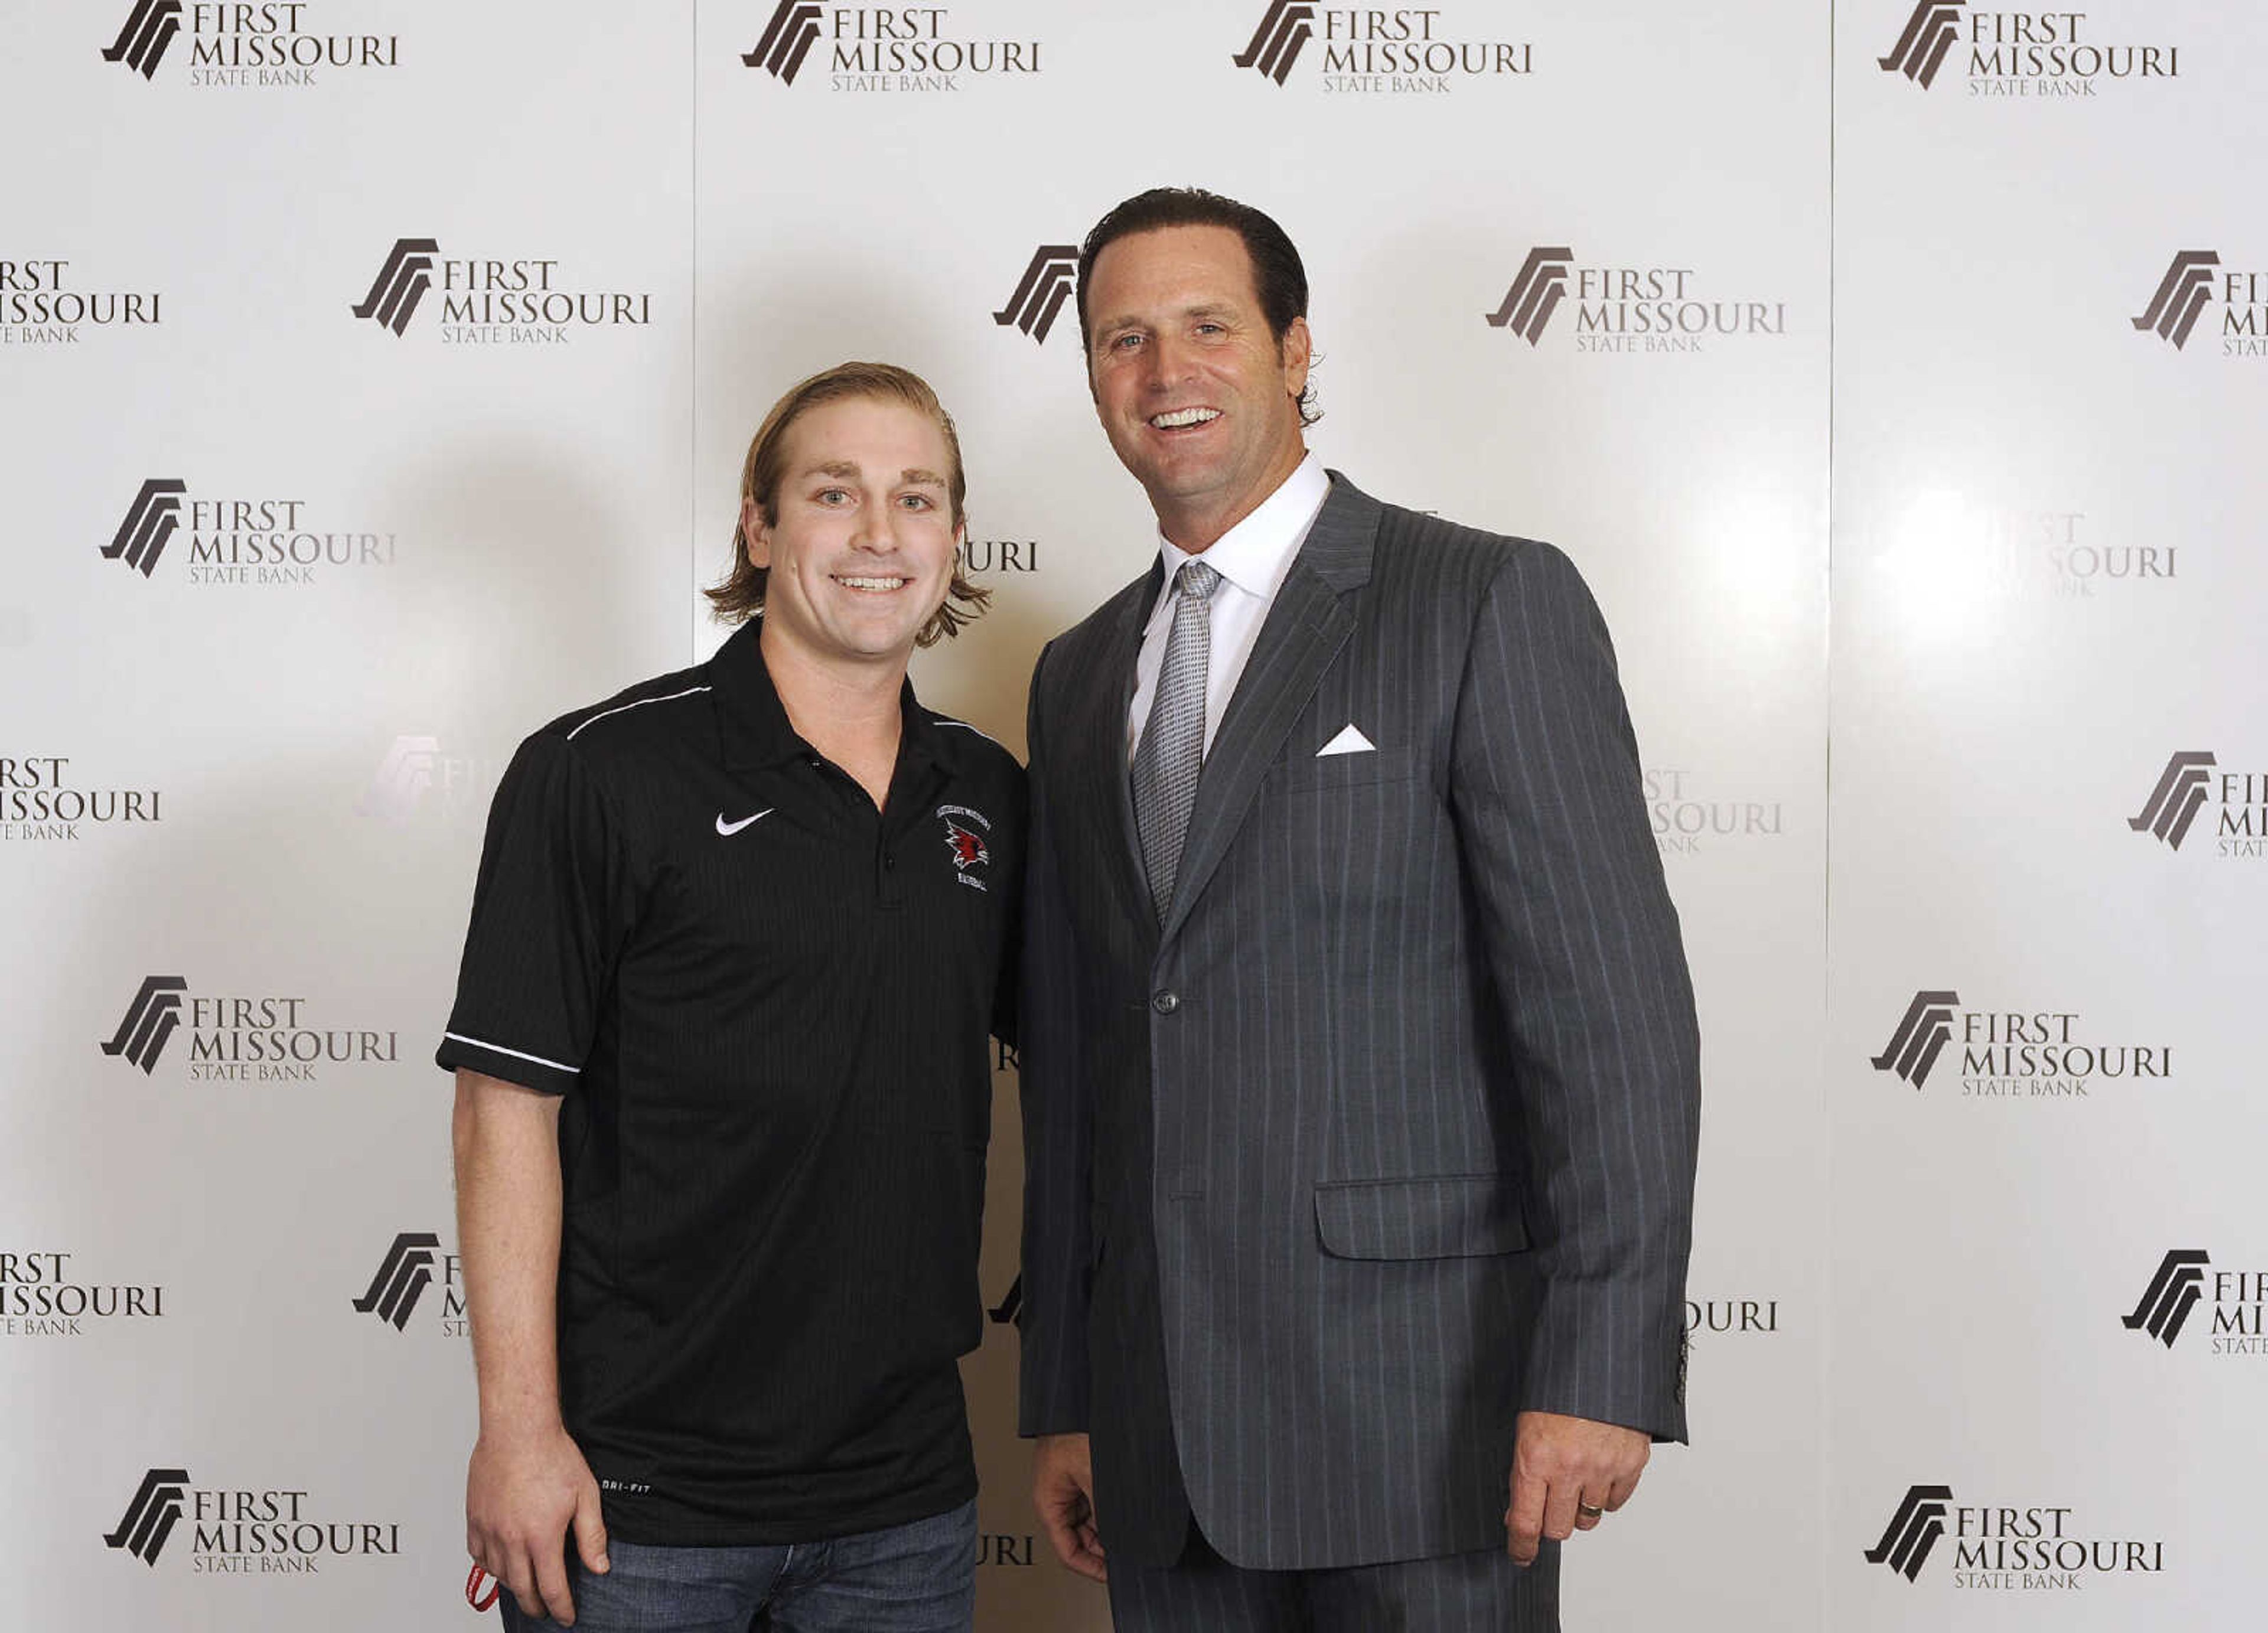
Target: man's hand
x=1062, y=1489
x=521, y=1495
x=1562, y=1467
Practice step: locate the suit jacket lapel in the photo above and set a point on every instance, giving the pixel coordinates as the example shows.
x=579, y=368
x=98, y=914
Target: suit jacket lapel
x=1099, y=743
x=1304, y=628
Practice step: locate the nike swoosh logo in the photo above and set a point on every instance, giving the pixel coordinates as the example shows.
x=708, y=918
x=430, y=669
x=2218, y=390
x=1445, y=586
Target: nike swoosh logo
x=730, y=829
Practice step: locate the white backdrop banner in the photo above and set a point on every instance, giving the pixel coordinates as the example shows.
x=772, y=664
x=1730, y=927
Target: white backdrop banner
x=376, y=377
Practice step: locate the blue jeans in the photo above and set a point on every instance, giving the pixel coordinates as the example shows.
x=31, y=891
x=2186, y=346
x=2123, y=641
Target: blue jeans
x=912, y=1578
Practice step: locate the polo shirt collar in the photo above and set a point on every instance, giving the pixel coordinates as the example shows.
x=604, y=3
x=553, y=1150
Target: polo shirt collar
x=754, y=722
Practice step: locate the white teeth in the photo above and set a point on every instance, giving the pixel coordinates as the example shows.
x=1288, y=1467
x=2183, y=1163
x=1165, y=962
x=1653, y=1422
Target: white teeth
x=873, y=584
x=1180, y=417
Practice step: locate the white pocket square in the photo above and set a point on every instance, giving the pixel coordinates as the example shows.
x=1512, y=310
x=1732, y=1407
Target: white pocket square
x=1348, y=741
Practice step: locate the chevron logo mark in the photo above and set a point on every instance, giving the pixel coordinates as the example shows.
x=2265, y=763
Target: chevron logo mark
x=2181, y=295
x=2174, y=803
x=403, y=1274
x=403, y=779
x=1536, y=294
x=151, y=521
x=401, y=284
x=151, y=1516
x=1929, y=35
x=1005, y=1313
x=151, y=1020
x=1041, y=293
x=1926, y=1028
x=1912, y=1531
x=787, y=40
x=1289, y=25
x=141, y=45
x=2173, y=1293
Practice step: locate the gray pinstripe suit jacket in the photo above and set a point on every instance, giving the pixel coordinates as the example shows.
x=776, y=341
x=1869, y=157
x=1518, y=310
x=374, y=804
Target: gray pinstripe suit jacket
x=1388, y=1133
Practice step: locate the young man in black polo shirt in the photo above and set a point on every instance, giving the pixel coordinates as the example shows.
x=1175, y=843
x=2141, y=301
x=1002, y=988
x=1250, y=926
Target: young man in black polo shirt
x=723, y=1082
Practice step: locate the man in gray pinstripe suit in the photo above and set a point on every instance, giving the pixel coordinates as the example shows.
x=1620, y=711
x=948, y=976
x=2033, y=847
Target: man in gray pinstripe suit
x=1361, y=1073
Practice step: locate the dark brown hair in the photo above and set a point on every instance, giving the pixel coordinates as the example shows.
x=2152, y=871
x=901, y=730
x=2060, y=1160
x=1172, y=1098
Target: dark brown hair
x=741, y=593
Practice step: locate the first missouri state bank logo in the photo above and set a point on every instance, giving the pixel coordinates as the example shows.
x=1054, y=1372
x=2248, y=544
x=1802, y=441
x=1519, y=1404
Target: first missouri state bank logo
x=2007, y=1054
x=149, y=525
x=1922, y=1032
x=403, y=1275
x=2182, y=295
x=270, y=44
x=493, y=300
x=2174, y=803
x=2033, y=54
x=262, y=1039
x=786, y=41
x=1628, y=308
x=42, y=303
x=400, y=284
x=152, y=1516
x=151, y=1020
x=1277, y=43
x=412, y=1264
x=244, y=1531
x=1686, y=821
x=1041, y=292
x=1929, y=33
x=42, y=799
x=1368, y=51
x=2194, y=281
x=2003, y=1548
x=1913, y=1531
x=1535, y=293
x=263, y=541
x=2173, y=1293
x=418, y=780
x=150, y=28
x=873, y=48
x=2193, y=780
x=2235, y=1301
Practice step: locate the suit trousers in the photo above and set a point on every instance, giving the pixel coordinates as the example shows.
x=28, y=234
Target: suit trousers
x=1482, y=1593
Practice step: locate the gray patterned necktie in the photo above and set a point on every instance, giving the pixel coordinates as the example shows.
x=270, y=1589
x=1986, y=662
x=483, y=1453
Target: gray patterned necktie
x=1172, y=751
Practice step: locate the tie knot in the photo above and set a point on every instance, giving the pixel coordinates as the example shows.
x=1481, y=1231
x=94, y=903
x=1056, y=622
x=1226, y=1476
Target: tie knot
x=1197, y=579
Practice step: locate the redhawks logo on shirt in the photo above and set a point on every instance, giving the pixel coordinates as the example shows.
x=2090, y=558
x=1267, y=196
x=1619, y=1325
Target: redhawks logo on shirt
x=965, y=841
x=968, y=849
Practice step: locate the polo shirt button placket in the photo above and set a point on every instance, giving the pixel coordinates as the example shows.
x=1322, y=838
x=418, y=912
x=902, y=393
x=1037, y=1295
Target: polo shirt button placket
x=886, y=874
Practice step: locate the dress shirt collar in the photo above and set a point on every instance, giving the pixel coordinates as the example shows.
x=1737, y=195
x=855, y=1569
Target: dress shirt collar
x=1256, y=554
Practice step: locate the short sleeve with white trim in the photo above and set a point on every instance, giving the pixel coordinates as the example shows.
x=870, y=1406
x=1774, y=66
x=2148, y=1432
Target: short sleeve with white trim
x=549, y=910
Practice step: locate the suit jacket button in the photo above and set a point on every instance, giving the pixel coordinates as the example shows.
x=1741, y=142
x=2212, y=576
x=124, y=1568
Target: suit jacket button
x=1164, y=1003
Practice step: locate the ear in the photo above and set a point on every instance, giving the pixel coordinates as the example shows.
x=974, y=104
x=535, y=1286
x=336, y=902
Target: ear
x=758, y=536
x=1298, y=349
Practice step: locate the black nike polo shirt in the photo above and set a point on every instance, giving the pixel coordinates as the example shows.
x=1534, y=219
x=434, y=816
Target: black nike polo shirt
x=766, y=1005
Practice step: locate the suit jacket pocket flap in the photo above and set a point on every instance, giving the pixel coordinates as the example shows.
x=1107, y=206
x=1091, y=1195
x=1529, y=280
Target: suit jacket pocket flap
x=1368, y=765
x=1459, y=1216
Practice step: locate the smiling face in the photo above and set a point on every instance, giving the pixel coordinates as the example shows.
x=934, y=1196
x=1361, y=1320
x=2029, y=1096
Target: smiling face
x=860, y=546
x=1199, y=399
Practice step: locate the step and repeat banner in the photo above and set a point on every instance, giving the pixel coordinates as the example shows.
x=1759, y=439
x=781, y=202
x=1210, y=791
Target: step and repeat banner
x=376, y=377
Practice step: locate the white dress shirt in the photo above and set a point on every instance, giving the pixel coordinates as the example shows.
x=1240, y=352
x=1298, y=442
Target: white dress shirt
x=1252, y=559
